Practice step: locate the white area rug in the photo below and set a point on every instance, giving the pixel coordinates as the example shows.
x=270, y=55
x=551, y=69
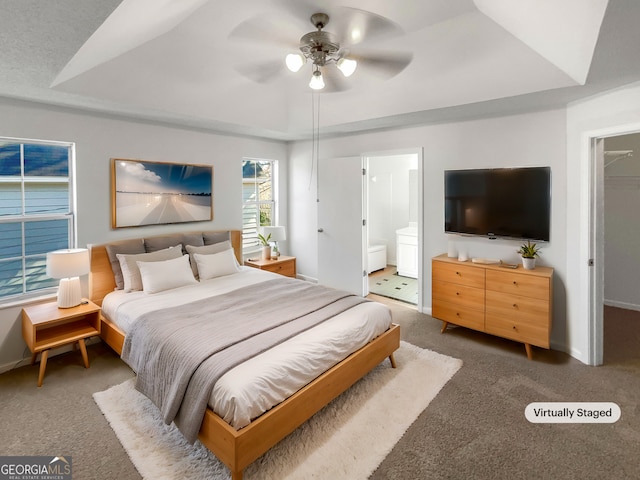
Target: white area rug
x=349, y=438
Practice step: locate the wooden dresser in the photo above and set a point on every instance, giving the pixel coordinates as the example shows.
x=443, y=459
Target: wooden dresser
x=510, y=303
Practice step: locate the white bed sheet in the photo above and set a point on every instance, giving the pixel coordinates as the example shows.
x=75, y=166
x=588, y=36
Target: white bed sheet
x=252, y=388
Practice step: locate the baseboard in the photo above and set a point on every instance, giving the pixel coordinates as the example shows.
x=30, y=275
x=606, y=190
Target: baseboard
x=307, y=278
x=57, y=351
x=623, y=305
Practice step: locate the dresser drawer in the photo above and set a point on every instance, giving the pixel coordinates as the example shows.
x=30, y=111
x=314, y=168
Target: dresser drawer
x=526, y=309
x=519, y=284
x=470, y=297
x=457, y=314
x=460, y=274
x=521, y=331
x=524, y=319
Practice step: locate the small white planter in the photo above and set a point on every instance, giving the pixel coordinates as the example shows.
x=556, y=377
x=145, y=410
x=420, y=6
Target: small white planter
x=529, y=263
x=266, y=252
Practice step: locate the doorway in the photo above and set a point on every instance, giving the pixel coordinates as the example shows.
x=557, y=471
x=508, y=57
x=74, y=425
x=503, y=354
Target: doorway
x=394, y=219
x=621, y=200
x=615, y=198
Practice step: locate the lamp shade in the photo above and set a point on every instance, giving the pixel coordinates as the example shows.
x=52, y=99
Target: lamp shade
x=68, y=263
x=278, y=234
x=295, y=61
x=317, y=82
x=347, y=66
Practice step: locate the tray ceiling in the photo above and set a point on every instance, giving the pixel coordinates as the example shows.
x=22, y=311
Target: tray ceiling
x=182, y=61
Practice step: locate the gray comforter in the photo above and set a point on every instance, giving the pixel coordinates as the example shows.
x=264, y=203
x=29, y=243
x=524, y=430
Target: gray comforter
x=179, y=353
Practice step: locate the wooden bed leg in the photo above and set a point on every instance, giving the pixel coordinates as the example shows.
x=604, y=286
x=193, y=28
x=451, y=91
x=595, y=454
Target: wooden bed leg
x=392, y=360
x=236, y=475
x=444, y=326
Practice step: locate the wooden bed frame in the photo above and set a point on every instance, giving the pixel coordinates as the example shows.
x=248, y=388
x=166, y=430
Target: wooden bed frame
x=239, y=448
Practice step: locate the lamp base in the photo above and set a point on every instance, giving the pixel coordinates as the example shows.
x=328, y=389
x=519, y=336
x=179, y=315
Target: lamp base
x=69, y=293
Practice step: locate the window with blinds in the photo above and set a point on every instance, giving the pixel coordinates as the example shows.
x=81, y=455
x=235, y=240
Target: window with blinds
x=259, y=197
x=36, y=212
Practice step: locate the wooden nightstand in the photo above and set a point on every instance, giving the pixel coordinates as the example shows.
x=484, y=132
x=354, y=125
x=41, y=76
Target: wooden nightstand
x=45, y=326
x=283, y=265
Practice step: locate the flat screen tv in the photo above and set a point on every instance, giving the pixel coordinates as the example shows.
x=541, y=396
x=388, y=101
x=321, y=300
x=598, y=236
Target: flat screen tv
x=498, y=202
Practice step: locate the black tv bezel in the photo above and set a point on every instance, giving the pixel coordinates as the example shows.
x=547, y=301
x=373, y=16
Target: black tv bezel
x=492, y=235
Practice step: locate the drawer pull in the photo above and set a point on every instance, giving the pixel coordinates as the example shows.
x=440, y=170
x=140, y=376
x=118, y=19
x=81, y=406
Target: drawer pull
x=515, y=283
x=514, y=327
x=457, y=293
x=515, y=305
x=457, y=314
x=457, y=273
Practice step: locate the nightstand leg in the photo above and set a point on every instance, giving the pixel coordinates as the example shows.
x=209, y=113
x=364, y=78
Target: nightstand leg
x=83, y=349
x=33, y=358
x=43, y=366
x=444, y=326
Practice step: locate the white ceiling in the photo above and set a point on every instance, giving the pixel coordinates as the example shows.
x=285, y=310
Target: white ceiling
x=179, y=61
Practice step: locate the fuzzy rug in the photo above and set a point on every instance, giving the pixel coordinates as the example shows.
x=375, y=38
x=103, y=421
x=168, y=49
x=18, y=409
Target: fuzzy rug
x=349, y=438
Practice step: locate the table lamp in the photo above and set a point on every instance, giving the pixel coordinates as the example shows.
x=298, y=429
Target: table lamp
x=277, y=235
x=68, y=265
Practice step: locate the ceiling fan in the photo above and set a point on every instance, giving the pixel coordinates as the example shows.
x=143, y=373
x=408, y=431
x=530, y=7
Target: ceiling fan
x=326, y=51
x=320, y=47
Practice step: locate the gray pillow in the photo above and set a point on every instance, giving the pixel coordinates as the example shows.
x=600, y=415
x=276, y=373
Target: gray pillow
x=126, y=247
x=153, y=244
x=215, y=237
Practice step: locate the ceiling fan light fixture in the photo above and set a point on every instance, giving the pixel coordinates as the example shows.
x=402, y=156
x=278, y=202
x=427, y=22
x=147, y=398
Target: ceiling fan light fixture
x=295, y=61
x=347, y=66
x=317, y=82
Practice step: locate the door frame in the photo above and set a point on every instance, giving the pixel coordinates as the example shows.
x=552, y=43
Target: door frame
x=593, y=154
x=419, y=152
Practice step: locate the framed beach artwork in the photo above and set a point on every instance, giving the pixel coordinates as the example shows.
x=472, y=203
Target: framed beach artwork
x=155, y=193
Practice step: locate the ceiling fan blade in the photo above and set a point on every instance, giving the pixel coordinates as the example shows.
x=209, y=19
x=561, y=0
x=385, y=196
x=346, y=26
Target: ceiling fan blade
x=267, y=31
x=383, y=64
x=334, y=81
x=264, y=72
x=354, y=26
x=351, y=25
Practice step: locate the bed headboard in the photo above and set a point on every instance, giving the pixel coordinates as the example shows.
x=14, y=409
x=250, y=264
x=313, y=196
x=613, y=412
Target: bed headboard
x=101, y=279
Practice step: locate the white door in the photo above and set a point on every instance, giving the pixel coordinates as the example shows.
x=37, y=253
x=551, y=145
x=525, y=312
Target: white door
x=340, y=224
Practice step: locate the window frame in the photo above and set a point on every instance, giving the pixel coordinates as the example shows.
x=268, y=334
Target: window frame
x=250, y=242
x=24, y=218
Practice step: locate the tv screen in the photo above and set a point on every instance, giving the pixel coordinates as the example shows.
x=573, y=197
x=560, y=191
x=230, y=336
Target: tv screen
x=499, y=202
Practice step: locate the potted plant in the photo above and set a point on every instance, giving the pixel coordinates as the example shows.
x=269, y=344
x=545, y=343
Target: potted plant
x=529, y=251
x=266, y=247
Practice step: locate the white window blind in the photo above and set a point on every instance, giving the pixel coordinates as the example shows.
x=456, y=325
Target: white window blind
x=259, y=197
x=36, y=212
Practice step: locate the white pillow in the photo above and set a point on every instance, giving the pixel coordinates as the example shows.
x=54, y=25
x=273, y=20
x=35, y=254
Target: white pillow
x=217, y=264
x=130, y=270
x=205, y=250
x=160, y=276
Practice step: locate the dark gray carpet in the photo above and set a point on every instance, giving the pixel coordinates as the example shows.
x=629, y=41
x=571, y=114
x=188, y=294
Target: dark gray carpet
x=474, y=429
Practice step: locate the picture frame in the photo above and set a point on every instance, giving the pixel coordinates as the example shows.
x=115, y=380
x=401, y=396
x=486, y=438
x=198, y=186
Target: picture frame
x=156, y=193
